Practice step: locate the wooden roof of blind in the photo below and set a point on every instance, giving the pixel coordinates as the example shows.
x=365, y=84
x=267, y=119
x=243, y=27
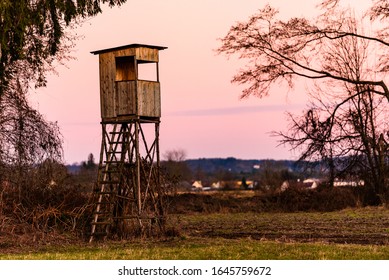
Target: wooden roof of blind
x=127, y=47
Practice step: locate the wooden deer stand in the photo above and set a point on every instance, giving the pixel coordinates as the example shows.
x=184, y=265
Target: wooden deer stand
x=128, y=198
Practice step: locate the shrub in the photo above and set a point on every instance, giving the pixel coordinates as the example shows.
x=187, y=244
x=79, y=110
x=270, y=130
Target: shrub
x=321, y=199
x=45, y=199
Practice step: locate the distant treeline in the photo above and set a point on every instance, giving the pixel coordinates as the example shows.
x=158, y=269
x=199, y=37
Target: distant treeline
x=244, y=166
x=209, y=166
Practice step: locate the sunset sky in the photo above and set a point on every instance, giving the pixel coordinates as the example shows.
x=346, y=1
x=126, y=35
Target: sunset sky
x=201, y=110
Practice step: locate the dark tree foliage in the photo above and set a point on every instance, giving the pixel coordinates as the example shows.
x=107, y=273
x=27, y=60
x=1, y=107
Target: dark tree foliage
x=33, y=31
x=90, y=163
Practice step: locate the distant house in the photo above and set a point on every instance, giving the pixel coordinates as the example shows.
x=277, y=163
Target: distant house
x=248, y=184
x=197, y=185
x=216, y=185
x=308, y=184
x=348, y=183
x=314, y=183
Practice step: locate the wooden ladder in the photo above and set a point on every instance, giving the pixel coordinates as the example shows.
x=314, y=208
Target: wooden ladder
x=105, y=193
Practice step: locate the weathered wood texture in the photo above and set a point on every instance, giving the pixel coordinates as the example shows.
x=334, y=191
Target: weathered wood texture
x=149, y=99
x=121, y=93
x=126, y=96
x=140, y=98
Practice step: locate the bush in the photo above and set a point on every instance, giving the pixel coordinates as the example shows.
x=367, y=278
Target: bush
x=44, y=199
x=321, y=199
x=291, y=200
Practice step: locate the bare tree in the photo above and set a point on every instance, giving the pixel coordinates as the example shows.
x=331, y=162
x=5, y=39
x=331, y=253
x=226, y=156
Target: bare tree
x=177, y=155
x=175, y=165
x=25, y=136
x=280, y=51
x=347, y=65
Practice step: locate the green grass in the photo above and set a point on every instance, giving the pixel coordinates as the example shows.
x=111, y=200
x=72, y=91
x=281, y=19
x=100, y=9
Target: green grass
x=207, y=249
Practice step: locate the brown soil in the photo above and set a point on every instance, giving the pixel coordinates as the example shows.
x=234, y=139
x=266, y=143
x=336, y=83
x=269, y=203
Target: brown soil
x=243, y=217
x=291, y=228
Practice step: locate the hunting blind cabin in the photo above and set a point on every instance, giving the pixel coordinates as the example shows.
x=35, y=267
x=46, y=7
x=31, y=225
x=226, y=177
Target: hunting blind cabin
x=128, y=197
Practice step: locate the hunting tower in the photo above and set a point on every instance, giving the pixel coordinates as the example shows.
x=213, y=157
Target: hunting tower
x=128, y=197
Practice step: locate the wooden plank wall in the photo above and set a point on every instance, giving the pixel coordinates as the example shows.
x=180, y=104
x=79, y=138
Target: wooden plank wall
x=126, y=98
x=147, y=54
x=149, y=99
x=140, y=98
x=119, y=96
x=107, y=85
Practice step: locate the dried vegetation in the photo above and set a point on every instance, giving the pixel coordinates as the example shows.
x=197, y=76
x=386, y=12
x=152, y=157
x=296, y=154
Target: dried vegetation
x=58, y=212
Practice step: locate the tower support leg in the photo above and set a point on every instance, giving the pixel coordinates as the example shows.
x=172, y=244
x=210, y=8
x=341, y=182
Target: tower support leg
x=129, y=195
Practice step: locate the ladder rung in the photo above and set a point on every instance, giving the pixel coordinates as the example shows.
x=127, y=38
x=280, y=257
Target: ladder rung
x=109, y=182
x=119, y=132
x=126, y=218
x=134, y=217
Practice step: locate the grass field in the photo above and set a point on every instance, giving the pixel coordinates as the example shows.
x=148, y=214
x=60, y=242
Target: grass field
x=207, y=249
x=361, y=233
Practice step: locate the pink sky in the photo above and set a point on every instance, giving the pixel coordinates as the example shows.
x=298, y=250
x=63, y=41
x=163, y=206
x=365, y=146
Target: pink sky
x=201, y=109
